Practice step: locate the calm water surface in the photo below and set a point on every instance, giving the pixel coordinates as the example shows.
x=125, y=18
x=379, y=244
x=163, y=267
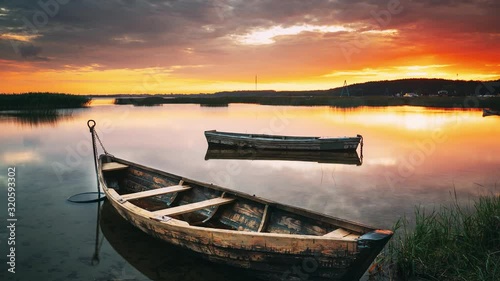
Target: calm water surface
x=411, y=156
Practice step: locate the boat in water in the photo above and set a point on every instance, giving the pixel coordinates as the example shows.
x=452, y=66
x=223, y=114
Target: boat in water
x=490, y=112
x=262, y=141
x=272, y=240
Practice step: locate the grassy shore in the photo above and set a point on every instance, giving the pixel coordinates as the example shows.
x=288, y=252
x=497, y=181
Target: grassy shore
x=451, y=243
x=41, y=101
x=443, y=102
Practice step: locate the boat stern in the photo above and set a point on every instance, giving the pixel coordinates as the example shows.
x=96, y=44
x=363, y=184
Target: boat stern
x=369, y=246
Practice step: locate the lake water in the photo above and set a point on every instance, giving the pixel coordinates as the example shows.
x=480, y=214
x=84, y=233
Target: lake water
x=411, y=156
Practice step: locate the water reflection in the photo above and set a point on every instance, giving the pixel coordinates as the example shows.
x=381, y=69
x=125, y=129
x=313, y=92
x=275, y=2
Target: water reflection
x=98, y=241
x=156, y=259
x=327, y=157
x=412, y=156
x=37, y=117
x=102, y=101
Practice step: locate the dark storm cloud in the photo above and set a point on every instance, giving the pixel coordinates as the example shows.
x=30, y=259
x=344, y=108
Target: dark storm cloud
x=89, y=31
x=29, y=51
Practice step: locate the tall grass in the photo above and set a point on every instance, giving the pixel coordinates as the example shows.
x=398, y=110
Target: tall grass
x=41, y=101
x=451, y=243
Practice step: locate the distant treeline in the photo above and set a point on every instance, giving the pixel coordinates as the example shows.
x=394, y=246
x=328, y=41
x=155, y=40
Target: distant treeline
x=422, y=87
x=444, y=102
x=41, y=101
x=431, y=92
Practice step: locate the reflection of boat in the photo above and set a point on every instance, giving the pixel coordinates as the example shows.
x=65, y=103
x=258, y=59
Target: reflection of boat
x=228, y=227
x=281, y=142
x=489, y=112
x=333, y=157
x=158, y=261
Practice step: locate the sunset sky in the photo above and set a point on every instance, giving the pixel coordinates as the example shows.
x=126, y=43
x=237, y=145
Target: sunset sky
x=193, y=46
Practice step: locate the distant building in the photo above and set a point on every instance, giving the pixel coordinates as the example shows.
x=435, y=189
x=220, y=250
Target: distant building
x=442, y=93
x=410, y=95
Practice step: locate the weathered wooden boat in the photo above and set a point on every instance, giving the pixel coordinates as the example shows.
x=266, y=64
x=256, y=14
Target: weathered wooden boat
x=261, y=141
x=490, y=112
x=330, y=157
x=273, y=240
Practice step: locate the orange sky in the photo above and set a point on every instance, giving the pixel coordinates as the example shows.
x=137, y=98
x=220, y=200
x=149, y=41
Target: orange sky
x=190, y=47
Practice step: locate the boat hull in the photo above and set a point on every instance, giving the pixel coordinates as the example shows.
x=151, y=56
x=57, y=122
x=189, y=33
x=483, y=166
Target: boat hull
x=490, y=112
x=215, y=138
x=273, y=256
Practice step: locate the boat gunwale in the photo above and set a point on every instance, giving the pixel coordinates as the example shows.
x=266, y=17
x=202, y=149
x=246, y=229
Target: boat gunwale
x=131, y=208
x=172, y=222
x=215, y=133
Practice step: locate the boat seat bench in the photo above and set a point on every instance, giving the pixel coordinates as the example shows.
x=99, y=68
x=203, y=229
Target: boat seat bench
x=113, y=166
x=183, y=209
x=341, y=233
x=155, y=192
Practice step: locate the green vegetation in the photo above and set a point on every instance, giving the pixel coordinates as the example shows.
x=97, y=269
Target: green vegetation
x=41, y=101
x=432, y=93
x=444, y=102
x=452, y=243
x=147, y=101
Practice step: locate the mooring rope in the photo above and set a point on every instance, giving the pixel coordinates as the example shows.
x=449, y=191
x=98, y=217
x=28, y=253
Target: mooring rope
x=100, y=196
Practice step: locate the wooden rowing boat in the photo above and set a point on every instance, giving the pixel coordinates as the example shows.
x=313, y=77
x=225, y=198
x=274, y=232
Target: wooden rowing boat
x=261, y=141
x=276, y=241
x=329, y=157
x=490, y=112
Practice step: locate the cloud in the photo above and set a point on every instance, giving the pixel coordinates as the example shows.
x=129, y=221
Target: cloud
x=29, y=51
x=128, y=34
x=267, y=36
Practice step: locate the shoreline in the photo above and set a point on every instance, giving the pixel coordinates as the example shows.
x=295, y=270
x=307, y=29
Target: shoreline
x=471, y=102
x=35, y=102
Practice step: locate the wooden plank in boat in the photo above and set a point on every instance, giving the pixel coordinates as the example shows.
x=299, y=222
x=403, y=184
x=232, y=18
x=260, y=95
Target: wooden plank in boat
x=351, y=236
x=337, y=233
x=155, y=192
x=193, y=207
x=263, y=222
x=113, y=166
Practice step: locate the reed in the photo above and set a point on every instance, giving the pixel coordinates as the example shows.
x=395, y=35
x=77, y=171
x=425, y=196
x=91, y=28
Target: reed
x=41, y=101
x=141, y=101
x=37, y=117
x=450, y=243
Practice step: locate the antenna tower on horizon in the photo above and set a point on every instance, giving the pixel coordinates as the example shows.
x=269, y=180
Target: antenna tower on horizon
x=346, y=88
